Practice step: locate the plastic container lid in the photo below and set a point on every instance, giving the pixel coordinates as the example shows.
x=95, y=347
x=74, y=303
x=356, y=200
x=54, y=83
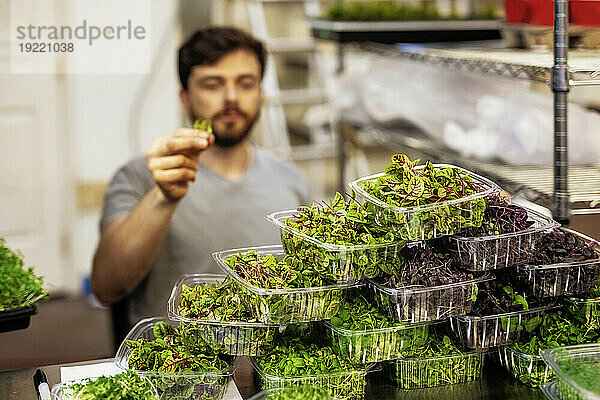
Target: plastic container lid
x=419, y=289
x=144, y=330
x=488, y=187
x=278, y=252
x=278, y=218
x=192, y=280
x=541, y=222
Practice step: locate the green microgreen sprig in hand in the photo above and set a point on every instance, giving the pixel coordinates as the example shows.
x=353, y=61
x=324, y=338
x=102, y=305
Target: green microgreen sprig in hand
x=203, y=125
x=125, y=386
x=342, y=223
x=405, y=186
x=19, y=286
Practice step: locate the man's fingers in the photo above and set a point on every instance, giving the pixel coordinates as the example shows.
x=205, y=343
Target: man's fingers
x=170, y=162
x=175, y=145
x=189, y=132
x=174, y=175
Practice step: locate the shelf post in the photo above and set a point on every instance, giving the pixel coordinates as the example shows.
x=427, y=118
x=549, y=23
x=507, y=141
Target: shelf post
x=341, y=141
x=560, y=87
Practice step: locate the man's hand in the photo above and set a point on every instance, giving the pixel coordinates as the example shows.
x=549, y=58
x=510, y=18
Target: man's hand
x=173, y=160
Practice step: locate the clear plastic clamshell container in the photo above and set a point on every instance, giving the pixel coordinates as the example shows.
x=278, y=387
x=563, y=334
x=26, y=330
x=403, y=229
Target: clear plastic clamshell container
x=531, y=370
x=175, y=386
x=431, y=220
x=502, y=251
x=482, y=332
x=586, y=310
x=344, y=262
x=577, y=370
x=567, y=278
x=421, y=303
x=63, y=391
x=418, y=373
x=284, y=306
x=238, y=338
x=376, y=345
x=343, y=385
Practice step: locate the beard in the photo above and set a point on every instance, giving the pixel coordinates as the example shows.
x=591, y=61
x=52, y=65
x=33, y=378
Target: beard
x=230, y=139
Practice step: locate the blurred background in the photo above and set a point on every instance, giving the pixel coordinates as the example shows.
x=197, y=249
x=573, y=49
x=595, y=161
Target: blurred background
x=63, y=135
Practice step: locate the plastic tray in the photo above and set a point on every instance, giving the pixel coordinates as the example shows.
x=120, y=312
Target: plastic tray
x=344, y=262
x=531, y=370
x=284, y=306
x=230, y=337
x=375, y=345
x=581, y=355
x=430, y=372
x=550, y=390
x=346, y=385
x=587, y=309
x=502, y=251
x=420, y=304
x=569, y=278
x=205, y=385
x=60, y=391
x=16, y=318
x=415, y=223
x=481, y=332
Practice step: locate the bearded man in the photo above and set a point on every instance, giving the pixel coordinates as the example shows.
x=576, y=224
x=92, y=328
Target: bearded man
x=195, y=192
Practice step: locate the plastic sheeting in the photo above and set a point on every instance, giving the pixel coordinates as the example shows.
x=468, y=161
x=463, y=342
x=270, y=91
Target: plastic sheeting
x=479, y=116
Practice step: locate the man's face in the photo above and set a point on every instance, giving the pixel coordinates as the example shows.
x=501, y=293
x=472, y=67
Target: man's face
x=228, y=93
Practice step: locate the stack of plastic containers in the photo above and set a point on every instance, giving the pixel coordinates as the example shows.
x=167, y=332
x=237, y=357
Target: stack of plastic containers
x=333, y=273
x=493, y=252
x=556, y=280
x=429, y=358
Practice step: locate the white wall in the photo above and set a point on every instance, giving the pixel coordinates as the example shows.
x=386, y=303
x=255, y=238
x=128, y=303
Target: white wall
x=101, y=112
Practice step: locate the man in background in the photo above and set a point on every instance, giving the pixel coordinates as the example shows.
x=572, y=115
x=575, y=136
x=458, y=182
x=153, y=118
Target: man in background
x=195, y=192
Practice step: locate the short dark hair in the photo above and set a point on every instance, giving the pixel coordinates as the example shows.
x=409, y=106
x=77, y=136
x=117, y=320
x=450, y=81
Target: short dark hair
x=208, y=46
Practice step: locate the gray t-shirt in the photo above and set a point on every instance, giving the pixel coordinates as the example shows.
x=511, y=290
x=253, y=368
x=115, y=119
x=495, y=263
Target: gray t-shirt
x=216, y=214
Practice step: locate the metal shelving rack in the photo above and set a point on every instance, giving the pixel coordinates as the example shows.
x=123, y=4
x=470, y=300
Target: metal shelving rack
x=584, y=69
x=511, y=63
